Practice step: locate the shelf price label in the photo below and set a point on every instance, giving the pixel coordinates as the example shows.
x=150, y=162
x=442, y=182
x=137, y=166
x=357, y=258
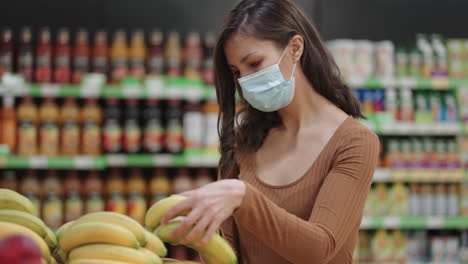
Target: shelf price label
x=38, y=162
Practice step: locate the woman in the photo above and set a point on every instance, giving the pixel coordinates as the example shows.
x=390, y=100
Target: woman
x=296, y=171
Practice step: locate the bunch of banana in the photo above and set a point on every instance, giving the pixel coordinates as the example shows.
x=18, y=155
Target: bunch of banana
x=18, y=217
x=216, y=251
x=107, y=237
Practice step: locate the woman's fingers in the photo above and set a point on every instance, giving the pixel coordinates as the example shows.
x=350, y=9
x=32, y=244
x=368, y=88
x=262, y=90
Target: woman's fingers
x=184, y=205
x=188, y=222
x=215, y=224
x=198, y=230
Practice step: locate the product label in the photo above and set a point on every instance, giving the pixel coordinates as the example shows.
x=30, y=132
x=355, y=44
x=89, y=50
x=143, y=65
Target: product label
x=94, y=204
x=116, y=204
x=100, y=64
x=73, y=208
x=137, y=68
x=81, y=63
x=25, y=66
x=27, y=140
x=174, y=138
x=52, y=213
x=6, y=62
x=211, y=141
x=156, y=65
x=153, y=136
x=136, y=208
x=43, y=61
x=49, y=136
x=70, y=138
x=193, y=130
x=91, y=138
x=132, y=138
x=112, y=136
x=119, y=69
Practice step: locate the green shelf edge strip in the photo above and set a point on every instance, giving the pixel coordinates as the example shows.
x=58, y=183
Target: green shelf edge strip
x=460, y=222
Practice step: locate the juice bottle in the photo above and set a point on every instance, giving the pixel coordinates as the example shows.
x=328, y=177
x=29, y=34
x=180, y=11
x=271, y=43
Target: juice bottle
x=193, y=55
x=406, y=105
x=8, y=123
x=208, y=70
x=401, y=61
x=74, y=206
x=450, y=108
x=44, y=51
x=27, y=130
x=427, y=200
x=436, y=106
x=441, y=60
x=441, y=153
x=441, y=201
x=26, y=55
x=193, y=126
x=453, y=200
x=423, y=108
x=9, y=181
x=153, y=135
x=156, y=54
x=399, y=200
x=399, y=246
x=182, y=181
x=382, y=247
x=160, y=185
x=415, y=200
x=112, y=130
x=91, y=133
x=62, y=71
x=70, y=133
x=31, y=188
x=382, y=199
x=202, y=178
x=173, y=54
x=368, y=103
x=379, y=100
x=93, y=191
x=81, y=53
x=119, y=57
x=6, y=52
x=100, y=53
x=52, y=207
x=49, y=131
x=174, y=136
x=137, y=55
x=427, y=52
x=136, y=204
x=115, y=191
x=132, y=131
x=453, y=155
x=210, y=140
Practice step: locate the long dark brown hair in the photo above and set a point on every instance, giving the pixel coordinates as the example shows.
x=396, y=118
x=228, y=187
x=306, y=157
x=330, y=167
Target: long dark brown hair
x=278, y=21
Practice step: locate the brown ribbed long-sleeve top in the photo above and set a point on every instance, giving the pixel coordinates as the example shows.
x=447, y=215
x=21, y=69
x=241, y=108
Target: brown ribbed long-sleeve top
x=314, y=220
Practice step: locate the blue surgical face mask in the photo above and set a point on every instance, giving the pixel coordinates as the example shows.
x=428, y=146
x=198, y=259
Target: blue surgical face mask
x=266, y=90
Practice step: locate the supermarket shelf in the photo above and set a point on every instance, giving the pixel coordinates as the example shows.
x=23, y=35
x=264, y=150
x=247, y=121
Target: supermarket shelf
x=162, y=160
x=414, y=223
x=421, y=129
x=418, y=175
x=436, y=83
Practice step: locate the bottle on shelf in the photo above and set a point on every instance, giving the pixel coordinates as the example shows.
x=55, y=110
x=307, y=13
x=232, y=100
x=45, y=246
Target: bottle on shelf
x=44, y=51
x=193, y=126
x=202, y=178
x=156, y=54
x=91, y=132
x=160, y=185
x=100, y=53
x=112, y=129
x=173, y=54
x=8, y=123
x=26, y=55
x=62, y=71
x=182, y=181
x=81, y=53
x=208, y=70
x=193, y=54
x=30, y=187
x=137, y=54
x=210, y=139
x=74, y=206
x=52, y=207
x=119, y=57
x=93, y=192
x=6, y=52
x=9, y=180
x=153, y=134
x=49, y=131
x=70, y=132
x=174, y=141
x=115, y=188
x=136, y=203
x=453, y=200
x=132, y=131
x=27, y=127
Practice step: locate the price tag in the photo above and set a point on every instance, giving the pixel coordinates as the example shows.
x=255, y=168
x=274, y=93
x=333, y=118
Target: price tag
x=407, y=83
x=92, y=84
x=162, y=160
x=365, y=223
x=38, y=162
x=392, y=222
x=440, y=83
x=132, y=91
x=84, y=162
x=51, y=90
x=154, y=87
x=117, y=160
x=435, y=222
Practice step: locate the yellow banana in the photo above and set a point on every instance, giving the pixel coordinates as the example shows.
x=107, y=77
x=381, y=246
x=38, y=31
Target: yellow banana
x=216, y=251
x=156, y=212
x=155, y=244
x=151, y=255
x=62, y=255
x=52, y=261
x=109, y=252
x=12, y=200
x=117, y=219
x=9, y=229
x=79, y=234
x=63, y=227
x=97, y=261
x=50, y=238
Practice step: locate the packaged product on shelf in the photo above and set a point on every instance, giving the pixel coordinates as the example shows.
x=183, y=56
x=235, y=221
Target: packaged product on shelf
x=452, y=249
x=137, y=54
x=74, y=207
x=381, y=199
x=398, y=198
x=160, y=185
x=182, y=181
x=100, y=53
x=456, y=61
x=115, y=188
x=406, y=152
x=393, y=157
x=343, y=52
x=210, y=42
x=440, y=151
x=131, y=128
x=62, y=71
x=52, y=207
x=193, y=55
x=452, y=155
x=415, y=200
x=402, y=62
x=93, y=191
x=210, y=140
x=418, y=155
x=91, y=134
x=6, y=52
x=464, y=199
x=441, y=200
x=385, y=54
x=435, y=102
x=202, y=178
x=112, y=129
x=27, y=127
x=416, y=250
x=153, y=134
x=391, y=103
x=119, y=57
x=430, y=152
x=70, y=131
x=9, y=180
x=441, y=57
x=364, y=245
x=26, y=55
x=44, y=51
x=464, y=247
x=173, y=55
x=415, y=62
x=453, y=202
x=156, y=65
x=450, y=108
x=81, y=54
x=174, y=141
x=49, y=130
x=438, y=249
x=193, y=126
x=382, y=246
x=379, y=101
x=368, y=102
x=136, y=204
x=427, y=52
x=427, y=200
x=399, y=246
x=423, y=108
x=406, y=105
x=8, y=123
x=30, y=187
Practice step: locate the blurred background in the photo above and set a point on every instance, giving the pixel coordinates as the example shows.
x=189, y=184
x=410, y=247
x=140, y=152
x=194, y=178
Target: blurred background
x=110, y=105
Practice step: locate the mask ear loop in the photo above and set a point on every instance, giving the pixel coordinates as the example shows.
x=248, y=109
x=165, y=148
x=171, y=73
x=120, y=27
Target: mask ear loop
x=295, y=63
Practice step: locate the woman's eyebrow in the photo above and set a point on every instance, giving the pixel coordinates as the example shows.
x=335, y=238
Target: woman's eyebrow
x=247, y=56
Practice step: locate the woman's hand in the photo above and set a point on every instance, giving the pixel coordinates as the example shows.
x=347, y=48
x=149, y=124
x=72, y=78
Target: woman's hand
x=210, y=206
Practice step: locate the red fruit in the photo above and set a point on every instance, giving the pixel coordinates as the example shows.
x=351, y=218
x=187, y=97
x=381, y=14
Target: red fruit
x=19, y=250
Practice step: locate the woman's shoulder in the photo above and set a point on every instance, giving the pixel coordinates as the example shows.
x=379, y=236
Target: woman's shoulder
x=354, y=131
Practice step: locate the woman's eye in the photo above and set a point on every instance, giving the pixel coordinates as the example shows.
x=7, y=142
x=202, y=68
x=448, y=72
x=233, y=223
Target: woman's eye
x=255, y=64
